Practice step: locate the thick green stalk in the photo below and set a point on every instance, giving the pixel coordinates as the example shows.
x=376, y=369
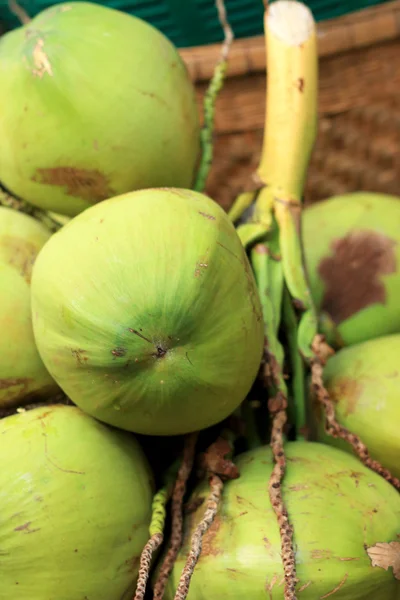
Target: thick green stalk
x=242, y=202
x=297, y=366
x=269, y=278
x=291, y=117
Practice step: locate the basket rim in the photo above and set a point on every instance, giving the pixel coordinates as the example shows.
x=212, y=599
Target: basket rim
x=359, y=29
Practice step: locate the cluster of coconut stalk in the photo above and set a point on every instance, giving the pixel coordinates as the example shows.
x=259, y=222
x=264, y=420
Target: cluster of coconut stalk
x=194, y=404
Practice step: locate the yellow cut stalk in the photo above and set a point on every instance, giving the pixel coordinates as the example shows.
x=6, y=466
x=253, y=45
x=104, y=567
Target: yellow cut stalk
x=291, y=111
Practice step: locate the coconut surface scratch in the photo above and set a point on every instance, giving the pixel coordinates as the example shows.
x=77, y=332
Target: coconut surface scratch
x=41, y=61
x=337, y=588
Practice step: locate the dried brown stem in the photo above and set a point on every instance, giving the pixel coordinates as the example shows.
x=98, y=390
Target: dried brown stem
x=216, y=486
x=10, y=202
x=145, y=563
x=277, y=407
x=177, y=516
x=23, y=207
x=332, y=427
x=19, y=12
x=215, y=460
x=227, y=29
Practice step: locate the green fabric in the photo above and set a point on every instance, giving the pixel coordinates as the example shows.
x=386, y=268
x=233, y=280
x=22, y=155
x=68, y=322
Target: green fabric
x=195, y=22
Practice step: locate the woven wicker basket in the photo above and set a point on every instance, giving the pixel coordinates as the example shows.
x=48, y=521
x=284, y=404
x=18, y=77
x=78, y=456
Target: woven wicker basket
x=358, y=146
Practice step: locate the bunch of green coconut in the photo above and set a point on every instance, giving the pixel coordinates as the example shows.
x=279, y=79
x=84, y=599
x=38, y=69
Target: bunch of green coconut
x=198, y=404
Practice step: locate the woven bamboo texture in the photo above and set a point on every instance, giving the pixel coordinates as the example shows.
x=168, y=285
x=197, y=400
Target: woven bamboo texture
x=358, y=145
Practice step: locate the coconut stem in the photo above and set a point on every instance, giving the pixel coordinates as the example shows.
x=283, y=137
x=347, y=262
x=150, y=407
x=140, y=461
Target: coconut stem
x=177, y=515
x=212, y=504
x=269, y=276
x=268, y=273
x=278, y=406
x=216, y=460
x=332, y=426
x=145, y=563
x=291, y=101
x=298, y=416
x=290, y=132
x=210, y=98
x=288, y=141
x=19, y=205
x=156, y=530
x=19, y=12
x=289, y=138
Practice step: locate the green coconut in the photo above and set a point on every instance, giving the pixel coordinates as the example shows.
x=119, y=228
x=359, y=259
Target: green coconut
x=352, y=252
x=23, y=375
x=345, y=517
x=146, y=312
x=364, y=383
x=94, y=103
x=75, y=500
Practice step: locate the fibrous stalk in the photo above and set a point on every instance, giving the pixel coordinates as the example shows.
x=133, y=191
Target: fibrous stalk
x=266, y=261
x=145, y=564
x=40, y=215
x=19, y=12
x=156, y=531
x=212, y=504
x=177, y=515
x=333, y=427
x=210, y=98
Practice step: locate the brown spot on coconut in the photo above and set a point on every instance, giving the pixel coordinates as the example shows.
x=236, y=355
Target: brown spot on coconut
x=89, y=184
x=352, y=255
x=353, y=275
x=19, y=253
x=59, y=66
